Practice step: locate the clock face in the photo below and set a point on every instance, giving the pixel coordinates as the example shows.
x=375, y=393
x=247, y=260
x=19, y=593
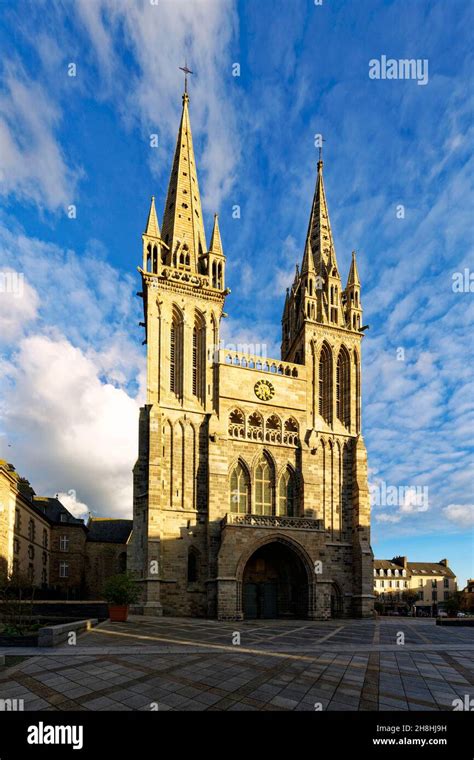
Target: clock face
x=264, y=390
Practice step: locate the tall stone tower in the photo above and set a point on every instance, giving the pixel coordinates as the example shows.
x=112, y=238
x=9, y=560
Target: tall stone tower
x=183, y=291
x=321, y=328
x=250, y=487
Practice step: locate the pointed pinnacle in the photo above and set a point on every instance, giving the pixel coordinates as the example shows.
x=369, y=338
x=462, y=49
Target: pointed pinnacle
x=152, y=227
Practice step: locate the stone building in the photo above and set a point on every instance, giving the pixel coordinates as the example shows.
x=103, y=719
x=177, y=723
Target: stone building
x=106, y=552
x=420, y=587
x=250, y=488
x=45, y=546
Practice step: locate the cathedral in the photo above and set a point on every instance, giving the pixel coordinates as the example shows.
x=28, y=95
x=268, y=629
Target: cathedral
x=250, y=488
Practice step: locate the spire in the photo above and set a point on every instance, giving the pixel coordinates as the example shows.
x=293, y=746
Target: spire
x=353, y=278
x=152, y=227
x=182, y=218
x=319, y=233
x=215, y=246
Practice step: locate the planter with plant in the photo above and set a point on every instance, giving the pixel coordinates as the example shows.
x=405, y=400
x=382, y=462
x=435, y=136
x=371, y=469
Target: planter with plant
x=120, y=592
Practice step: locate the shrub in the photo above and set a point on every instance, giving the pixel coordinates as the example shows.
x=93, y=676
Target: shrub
x=122, y=590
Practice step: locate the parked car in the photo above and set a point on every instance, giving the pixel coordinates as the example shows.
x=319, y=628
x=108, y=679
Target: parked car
x=442, y=613
x=461, y=614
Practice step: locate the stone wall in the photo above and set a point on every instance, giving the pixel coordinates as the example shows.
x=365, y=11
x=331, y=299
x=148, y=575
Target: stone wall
x=101, y=562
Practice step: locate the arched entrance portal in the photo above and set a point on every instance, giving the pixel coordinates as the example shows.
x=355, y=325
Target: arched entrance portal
x=275, y=584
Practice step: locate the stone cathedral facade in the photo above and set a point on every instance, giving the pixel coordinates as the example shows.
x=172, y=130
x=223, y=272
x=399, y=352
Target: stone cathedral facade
x=250, y=489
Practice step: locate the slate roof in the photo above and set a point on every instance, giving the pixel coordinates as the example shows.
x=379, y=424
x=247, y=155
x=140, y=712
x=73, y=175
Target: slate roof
x=430, y=568
x=415, y=568
x=386, y=564
x=55, y=511
x=109, y=530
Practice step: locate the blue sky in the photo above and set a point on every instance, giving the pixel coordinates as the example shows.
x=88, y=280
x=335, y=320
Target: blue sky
x=72, y=364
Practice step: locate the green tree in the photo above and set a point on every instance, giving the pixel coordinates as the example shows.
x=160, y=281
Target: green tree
x=453, y=604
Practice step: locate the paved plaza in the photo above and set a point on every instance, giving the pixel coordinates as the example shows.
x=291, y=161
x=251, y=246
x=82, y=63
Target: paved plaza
x=184, y=664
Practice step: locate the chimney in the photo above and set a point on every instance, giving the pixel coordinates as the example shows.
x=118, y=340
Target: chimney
x=24, y=487
x=402, y=561
x=443, y=562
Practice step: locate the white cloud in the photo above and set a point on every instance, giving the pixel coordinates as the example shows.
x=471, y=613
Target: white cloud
x=387, y=517
x=32, y=164
x=70, y=387
x=159, y=36
x=18, y=305
x=70, y=429
x=75, y=507
x=461, y=514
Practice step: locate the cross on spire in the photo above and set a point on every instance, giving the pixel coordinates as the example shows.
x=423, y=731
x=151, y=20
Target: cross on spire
x=321, y=149
x=186, y=72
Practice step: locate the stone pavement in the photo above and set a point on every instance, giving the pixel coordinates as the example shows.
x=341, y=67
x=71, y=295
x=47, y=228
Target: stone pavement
x=183, y=664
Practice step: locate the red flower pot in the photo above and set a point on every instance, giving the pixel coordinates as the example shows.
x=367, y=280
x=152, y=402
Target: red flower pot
x=118, y=613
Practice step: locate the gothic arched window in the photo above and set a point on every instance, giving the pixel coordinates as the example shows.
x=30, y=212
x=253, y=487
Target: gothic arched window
x=343, y=387
x=176, y=352
x=325, y=383
x=264, y=487
x=239, y=489
x=287, y=494
x=148, y=257
x=357, y=391
x=199, y=334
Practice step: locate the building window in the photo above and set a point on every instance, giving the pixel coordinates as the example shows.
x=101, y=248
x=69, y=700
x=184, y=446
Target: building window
x=446, y=596
x=45, y=538
x=17, y=519
x=44, y=577
x=433, y=583
x=287, y=494
x=357, y=391
x=325, y=383
x=239, y=490
x=31, y=573
x=382, y=583
x=263, y=488
x=343, y=391
x=16, y=546
x=176, y=353
x=198, y=379
x=45, y=558
x=31, y=551
x=398, y=584
x=15, y=567
x=192, y=566
x=420, y=583
x=64, y=543
x=31, y=530
x=390, y=584
x=434, y=596
x=64, y=569
x=446, y=582
x=122, y=562
x=420, y=596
